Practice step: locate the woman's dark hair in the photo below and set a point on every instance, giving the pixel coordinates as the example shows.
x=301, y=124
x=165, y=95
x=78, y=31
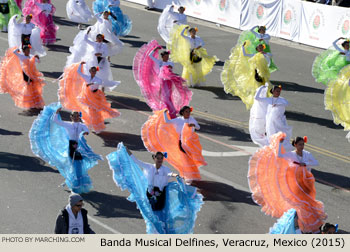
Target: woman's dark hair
x=181, y=7
x=93, y=68
x=274, y=88
x=325, y=227
x=258, y=77
x=345, y=43
x=25, y=47
x=99, y=35
x=182, y=110
x=256, y=48
x=261, y=27
x=164, y=53
x=297, y=140
x=157, y=153
x=191, y=29
x=106, y=12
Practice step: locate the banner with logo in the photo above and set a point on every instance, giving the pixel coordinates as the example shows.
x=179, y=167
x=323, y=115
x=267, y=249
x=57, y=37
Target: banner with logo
x=322, y=24
x=291, y=20
x=257, y=12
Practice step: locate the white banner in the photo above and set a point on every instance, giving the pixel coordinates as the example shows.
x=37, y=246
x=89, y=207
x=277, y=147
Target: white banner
x=322, y=24
x=291, y=20
x=267, y=12
x=300, y=21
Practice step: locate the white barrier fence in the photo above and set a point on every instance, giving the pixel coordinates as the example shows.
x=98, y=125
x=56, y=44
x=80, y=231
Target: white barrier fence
x=300, y=21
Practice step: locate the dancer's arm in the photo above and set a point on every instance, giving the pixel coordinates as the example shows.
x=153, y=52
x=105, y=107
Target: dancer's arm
x=266, y=38
x=141, y=164
x=183, y=33
x=87, y=40
x=258, y=95
x=201, y=42
x=60, y=122
x=337, y=47
x=84, y=76
x=166, y=119
x=98, y=17
x=194, y=123
x=20, y=56
x=254, y=32
x=155, y=60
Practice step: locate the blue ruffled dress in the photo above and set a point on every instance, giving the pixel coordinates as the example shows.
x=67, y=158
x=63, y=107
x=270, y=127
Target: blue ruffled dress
x=122, y=25
x=285, y=224
x=50, y=142
x=182, y=201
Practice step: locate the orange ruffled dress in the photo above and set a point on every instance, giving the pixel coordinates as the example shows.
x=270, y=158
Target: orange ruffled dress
x=25, y=95
x=75, y=95
x=277, y=186
x=157, y=135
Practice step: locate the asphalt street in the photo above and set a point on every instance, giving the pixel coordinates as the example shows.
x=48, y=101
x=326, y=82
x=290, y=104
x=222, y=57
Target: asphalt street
x=31, y=196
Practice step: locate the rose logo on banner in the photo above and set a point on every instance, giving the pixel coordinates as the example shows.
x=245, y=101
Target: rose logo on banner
x=317, y=21
x=222, y=5
x=260, y=12
x=198, y=2
x=287, y=17
x=345, y=27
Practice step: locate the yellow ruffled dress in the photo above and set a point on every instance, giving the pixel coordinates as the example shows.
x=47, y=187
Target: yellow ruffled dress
x=180, y=48
x=238, y=75
x=337, y=98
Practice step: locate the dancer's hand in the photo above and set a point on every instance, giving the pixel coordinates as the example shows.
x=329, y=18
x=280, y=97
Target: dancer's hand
x=127, y=150
x=191, y=125
x=58, y=110
x=244, y=43
x=282, y=139
x=83, y=62
x=98, y=54
x=187, y=27
x=88, y=31
x=86, y=133
x=302, y=164
x=36, y=56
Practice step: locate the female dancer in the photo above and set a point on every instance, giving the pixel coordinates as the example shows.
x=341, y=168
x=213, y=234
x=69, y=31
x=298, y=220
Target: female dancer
x=63, y=146
x=94, y=53
x=188, y=51
x=275, y=118
x=163, y=205
x=243, y=73
x=78, y=11
x=81, y=92
x=178, y=139
x=26, y=33
x=257, y=119
x=121, y=23
x=159, y=85
x=337, y=98
x=287, y=224
x=8, y=8
x=328, y=64
x=168, y=19
x=42, y=11
x=286, y=185
x=257, y=35
x=20, y=78
x=299, y=156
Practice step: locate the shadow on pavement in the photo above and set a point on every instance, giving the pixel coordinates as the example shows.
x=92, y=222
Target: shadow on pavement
x=111, y=139
x=63, y=21
x=54, y=75
x=128, y=101
x=58, y=48
x=290, y=86
x=219, y=63
x=133, y=43
x=121, y=66
x=110, y=206
x=327, y=177
x=219, y=92
x=30, y=112
x=215, y=191
x=218, y=129
x=10, y=133
x=18, y=162
x=302, y=117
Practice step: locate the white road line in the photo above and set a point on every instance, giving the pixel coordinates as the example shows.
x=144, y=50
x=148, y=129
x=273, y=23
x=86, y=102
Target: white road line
x=103, y=225
x=248, y=151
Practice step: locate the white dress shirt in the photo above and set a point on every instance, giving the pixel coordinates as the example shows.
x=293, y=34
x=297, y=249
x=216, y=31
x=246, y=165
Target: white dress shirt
x=179, y=122
x=155, y=177
x=181, y=19
x=161, y=63
x=265, y=37
x=24, y=27
x=98, y=47
x=195, y=42
x=292, y=156
x=266, y=55
x=95, y=81
x=346, y=52
x=73, y=128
